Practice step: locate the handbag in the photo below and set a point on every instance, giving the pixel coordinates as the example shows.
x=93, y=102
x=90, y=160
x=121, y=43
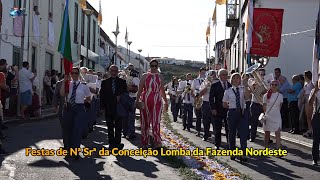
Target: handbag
x=264, y=116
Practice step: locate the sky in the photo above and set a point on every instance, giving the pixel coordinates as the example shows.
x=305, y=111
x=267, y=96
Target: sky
x=163, y=28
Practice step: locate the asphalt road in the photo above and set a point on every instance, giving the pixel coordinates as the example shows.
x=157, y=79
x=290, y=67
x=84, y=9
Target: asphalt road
x=296, y=165
x=46, y=134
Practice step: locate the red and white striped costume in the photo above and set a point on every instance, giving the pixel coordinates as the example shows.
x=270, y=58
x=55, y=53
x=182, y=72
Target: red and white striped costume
x=151, y=113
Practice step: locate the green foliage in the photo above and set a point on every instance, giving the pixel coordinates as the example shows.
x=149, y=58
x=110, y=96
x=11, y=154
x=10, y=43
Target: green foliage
x=168, y=70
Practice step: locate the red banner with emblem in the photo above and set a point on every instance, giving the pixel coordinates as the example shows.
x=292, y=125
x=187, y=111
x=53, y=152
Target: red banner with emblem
x=267, y=30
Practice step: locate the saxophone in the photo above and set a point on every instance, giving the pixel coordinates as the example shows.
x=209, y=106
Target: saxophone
x=198, y=100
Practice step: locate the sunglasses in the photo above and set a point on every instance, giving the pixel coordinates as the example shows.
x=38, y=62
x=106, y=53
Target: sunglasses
x=76, y=73
x=274, y=84
x=154, y=66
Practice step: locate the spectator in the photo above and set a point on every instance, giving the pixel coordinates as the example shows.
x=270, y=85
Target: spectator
x=293, y=104
x=26, y=78
x=13, y=90
x=284, y=86
x=46, y=85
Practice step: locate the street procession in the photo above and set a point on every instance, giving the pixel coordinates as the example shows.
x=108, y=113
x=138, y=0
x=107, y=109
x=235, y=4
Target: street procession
x=119, y=89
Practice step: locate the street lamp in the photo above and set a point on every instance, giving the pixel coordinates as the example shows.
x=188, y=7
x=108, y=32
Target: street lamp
x=139, y=50
x=88, y=12
x=129, y=43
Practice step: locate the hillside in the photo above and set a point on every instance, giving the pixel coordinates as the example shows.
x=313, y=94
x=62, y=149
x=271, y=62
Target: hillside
x=168, y=70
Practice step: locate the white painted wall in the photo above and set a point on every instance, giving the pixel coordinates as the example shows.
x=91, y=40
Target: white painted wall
x=296, y=51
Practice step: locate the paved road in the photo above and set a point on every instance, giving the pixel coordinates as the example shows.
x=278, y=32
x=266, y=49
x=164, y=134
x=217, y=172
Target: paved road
x=46, y=134
x=297, y=165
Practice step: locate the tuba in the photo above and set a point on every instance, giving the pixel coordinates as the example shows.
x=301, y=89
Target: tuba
x=256, y=84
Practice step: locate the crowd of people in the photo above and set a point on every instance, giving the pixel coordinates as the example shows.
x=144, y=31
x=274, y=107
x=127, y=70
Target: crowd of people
x=236, y=101
x=217, y=98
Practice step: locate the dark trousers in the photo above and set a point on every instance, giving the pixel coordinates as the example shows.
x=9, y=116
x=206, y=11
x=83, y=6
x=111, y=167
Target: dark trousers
x=180, y=107
x=294, y=115
x=114, y=130
x=237, y=121
x=62, y=125
x=174, y=109
x=49, y=94
x=92, y=112
x=187, y=115
x=217, y=128
x=198, y=113
x=73, y=123
x=255, y=111
x=284, y=113
x=131, y=119
x=316, y=136
x=207, y=118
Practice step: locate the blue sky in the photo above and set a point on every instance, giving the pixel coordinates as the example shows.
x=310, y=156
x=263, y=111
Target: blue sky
x=166, y=28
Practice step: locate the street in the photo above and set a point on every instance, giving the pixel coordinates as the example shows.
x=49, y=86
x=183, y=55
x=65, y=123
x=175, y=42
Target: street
x=46, y=134
x=296, y=165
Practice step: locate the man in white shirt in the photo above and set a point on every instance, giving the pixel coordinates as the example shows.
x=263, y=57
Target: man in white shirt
x=181, y=87
x=133, y=89
x=196, y=83
x=205, y=92
x=26, y=78
x=188, y=100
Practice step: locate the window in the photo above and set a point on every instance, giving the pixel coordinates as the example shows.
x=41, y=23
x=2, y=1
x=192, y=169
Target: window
x=75, y=23
x=88, y=34
x=82, y=27
x=49, y=61
x=93, y=65
x=33, y=57
x=94, y=36
x=17, y=3
x=16, y=56
x=82, y=59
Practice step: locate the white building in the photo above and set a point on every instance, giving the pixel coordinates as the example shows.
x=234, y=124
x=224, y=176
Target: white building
x=165, y=60
x=296, y=50
x=137, y=60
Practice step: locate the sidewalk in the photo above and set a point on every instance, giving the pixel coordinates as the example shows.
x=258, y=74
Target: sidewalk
x=47, y=112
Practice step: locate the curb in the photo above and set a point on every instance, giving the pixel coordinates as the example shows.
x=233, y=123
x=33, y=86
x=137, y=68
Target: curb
x=34, y=119
x=301, y=144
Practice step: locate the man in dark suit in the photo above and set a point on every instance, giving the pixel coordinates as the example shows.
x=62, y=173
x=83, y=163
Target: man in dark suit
x=219, y=113
x=110, y=93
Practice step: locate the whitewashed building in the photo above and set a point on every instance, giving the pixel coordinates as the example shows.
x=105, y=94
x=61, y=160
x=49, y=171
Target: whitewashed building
x=296, y=50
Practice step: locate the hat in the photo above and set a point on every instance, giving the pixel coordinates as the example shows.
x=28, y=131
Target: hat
x=3, y=62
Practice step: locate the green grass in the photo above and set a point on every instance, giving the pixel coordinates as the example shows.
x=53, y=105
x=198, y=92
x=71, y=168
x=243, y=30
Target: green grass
x=167, y=122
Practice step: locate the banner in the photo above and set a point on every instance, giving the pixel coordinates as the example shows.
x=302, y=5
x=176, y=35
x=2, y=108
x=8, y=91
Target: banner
x=267, y=30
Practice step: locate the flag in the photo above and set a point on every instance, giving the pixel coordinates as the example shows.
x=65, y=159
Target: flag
x=214, y=16
x=267, y=30
x=65, y=41
x=83, y=4
x=126, y=36
x=208, y=32
x=220, y=2
x=316, y=50
x=100, y=14
x=249, y=26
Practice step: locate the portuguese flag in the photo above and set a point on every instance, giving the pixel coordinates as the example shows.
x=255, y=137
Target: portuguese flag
x=65, y=44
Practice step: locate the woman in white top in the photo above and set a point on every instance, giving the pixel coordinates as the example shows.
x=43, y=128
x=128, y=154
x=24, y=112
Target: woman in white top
x=308, y=86
x=234, y=101
x=272, y=102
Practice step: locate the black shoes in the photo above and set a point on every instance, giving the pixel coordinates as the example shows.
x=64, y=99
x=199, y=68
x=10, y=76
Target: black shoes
x=204, y=139
x=251, y=140
x=243, y=159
